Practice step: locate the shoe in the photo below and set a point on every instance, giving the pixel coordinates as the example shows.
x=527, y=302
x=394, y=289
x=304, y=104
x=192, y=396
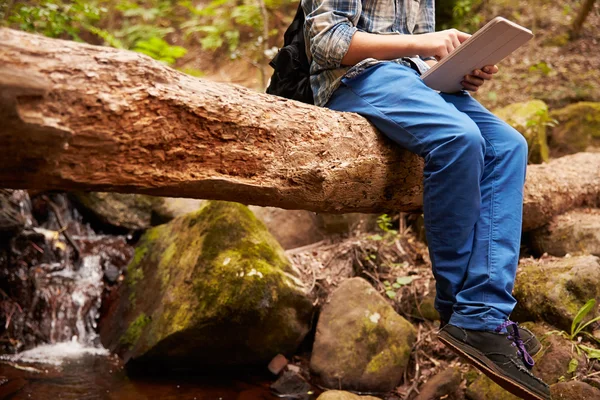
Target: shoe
x=532, y=344
x=499, y=355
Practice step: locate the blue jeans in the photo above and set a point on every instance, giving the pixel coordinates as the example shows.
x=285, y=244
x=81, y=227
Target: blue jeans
x=473, y=186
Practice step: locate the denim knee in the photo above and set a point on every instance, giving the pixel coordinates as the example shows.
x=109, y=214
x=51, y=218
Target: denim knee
x=462, y=141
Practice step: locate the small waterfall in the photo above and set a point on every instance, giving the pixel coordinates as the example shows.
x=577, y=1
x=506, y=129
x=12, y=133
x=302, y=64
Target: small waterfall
x=53, y=275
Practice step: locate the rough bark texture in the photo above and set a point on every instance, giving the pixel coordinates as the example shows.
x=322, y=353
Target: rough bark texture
x=81, y=117
x=76, y=116
x=559, y=186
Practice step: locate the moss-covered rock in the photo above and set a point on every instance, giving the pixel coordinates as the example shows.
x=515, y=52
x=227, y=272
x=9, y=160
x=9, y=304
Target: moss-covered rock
x=554, y=289
x=483, y=388
x=553, y=362
x=361, y=342
x=574, y=390
x=133, y=211
x=576, y=232
x=342, y=395
x=530, y=118
x=210, y=288
x=578, y=127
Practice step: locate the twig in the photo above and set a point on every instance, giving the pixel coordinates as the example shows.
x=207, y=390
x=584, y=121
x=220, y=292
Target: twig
x=63, y=227
x=415, y=383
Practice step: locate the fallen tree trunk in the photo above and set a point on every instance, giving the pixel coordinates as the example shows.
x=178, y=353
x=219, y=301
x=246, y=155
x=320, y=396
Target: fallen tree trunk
x=77, y=116
x=81, y=117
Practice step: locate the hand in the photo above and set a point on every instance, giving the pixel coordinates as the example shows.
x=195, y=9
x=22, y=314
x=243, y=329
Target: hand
x=440, y=44
x=478, y=77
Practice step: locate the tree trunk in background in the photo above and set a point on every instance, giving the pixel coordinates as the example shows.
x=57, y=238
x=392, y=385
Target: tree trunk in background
x=581, y=16
x=81, y=117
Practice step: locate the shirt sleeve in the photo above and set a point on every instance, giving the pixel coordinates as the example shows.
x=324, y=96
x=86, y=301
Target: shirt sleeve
x=426, y=18
x=329, y=27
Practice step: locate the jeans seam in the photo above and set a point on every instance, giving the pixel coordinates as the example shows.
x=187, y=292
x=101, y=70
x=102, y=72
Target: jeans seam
x=492, y=231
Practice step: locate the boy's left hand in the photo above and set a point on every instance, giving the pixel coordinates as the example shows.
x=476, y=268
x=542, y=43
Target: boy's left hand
x=478, y=77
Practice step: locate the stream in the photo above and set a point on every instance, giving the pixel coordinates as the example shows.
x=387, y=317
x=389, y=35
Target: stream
x=54, y=274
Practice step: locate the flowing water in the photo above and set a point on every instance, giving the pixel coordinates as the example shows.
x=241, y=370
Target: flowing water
x=53, y=277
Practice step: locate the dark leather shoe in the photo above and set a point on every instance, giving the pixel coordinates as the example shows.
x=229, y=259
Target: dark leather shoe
x=500, y=356
x=532, y=344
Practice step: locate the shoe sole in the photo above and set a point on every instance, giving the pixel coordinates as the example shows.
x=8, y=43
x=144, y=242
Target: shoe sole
x=478, y=360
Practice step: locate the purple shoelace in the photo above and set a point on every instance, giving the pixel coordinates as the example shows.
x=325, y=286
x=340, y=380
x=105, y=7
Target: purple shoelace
x=517, y=341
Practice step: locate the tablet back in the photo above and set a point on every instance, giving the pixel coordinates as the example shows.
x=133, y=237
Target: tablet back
x=488, y=46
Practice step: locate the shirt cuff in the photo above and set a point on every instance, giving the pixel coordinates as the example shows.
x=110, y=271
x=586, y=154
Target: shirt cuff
x=427, y=58
x=343, y=36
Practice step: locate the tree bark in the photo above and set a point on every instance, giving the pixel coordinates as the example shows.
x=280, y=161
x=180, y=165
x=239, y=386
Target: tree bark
x=580, y=19
x=81, y=117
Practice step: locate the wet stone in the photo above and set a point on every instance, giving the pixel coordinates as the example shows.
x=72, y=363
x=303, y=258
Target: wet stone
x=292, y=385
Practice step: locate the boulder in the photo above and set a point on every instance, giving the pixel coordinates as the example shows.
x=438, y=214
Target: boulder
x=577, y=128
x=291, y=228
x=341, y=395
x=574, y=390
x=133, y=211
x=553, y=362
x=361, y=343
x=576, y=232
x=554, y=289
x=209, y=289
x=442, y=384
x=483, y=388
x=530, y=118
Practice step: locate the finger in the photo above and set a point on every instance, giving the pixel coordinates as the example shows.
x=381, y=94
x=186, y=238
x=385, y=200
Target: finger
x=473, y=80
x=480, y=74
x=469, y=86
x=462, y=36
x=490, y=69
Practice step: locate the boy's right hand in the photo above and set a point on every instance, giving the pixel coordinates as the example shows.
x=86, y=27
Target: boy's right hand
x=439, y=44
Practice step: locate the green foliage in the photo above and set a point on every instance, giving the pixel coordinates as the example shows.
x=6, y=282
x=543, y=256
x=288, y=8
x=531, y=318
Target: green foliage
x=392, y=288
x=541, y=67
x=58, y=19
x=160, y=50
x=578, y=327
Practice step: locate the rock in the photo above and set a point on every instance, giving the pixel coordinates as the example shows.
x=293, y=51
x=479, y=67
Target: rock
x=15, y=211
x=530, y=118
x=133, y=211
x=347, y=223
x=552, y=363
x=483, y=388
x=292, y=385
x=212, y=288
x=341, y=395
x=277, y=364
x=426, y=307
x=574, y=390
x=442, y=384
x=291, y=228
x=578, y=128
x=554, y=289
x=577, y=231
x=361, y=343
x=297, y=228
x=129, y=211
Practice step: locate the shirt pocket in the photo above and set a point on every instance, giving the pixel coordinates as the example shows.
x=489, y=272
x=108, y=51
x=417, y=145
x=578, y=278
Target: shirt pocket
x=378, y=16
x=412, y=13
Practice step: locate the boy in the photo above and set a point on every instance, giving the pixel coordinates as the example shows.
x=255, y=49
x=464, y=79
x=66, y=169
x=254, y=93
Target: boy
x=366, y=57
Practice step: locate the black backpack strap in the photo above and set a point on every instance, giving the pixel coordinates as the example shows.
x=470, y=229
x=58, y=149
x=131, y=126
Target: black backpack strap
x=297, y=24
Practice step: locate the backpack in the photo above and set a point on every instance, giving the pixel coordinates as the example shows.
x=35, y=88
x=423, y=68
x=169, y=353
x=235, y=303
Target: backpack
x=291, y=75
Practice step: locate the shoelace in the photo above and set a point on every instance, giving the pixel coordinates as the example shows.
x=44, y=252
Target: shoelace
x=517, y=341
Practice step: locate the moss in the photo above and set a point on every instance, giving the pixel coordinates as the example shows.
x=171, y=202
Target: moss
x=135, y=329
x=219, y=264
x=530, y=119
x=578, y=126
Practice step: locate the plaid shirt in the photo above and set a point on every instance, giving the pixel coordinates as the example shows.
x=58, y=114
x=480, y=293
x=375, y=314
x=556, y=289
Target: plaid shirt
x=330, y=25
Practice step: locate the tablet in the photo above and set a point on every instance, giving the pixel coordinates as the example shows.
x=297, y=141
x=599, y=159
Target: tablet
x=488, y=46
